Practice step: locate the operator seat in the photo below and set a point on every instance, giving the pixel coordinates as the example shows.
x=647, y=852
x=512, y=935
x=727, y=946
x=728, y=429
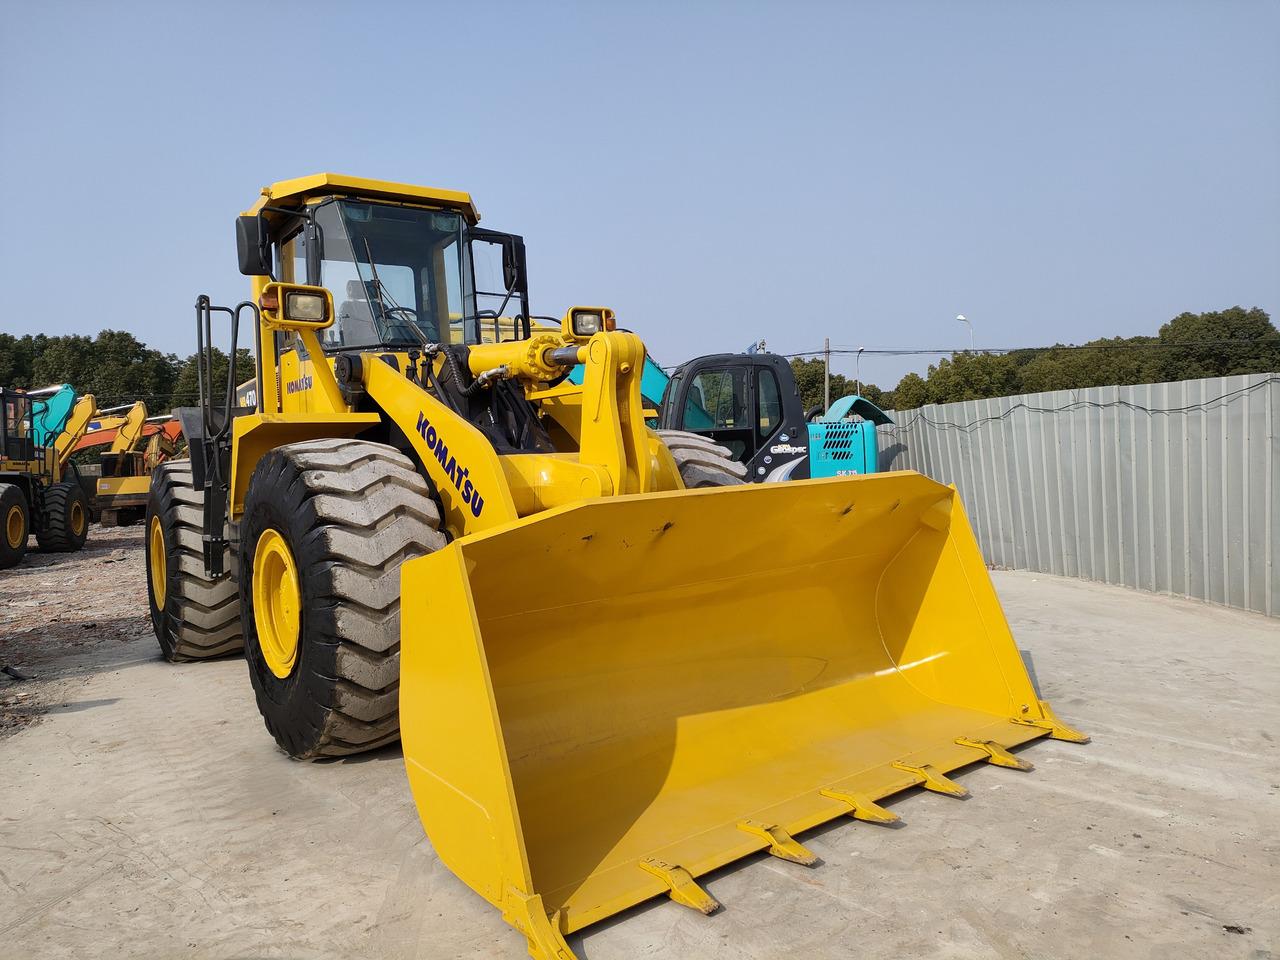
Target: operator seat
x=355, y=317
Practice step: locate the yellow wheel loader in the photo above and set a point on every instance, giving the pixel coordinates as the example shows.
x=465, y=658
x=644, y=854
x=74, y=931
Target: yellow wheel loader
x=40, y=488
x=607, y=682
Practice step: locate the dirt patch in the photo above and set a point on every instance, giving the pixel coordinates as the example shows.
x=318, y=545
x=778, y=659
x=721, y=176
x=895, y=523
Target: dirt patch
x=55, y=607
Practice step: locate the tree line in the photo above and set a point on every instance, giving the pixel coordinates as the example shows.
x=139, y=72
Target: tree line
x=118, y=368
x=1188, y=347
x=115, y=366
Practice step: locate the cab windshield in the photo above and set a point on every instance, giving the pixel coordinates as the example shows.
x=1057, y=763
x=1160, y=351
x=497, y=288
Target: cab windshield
x=397, y=274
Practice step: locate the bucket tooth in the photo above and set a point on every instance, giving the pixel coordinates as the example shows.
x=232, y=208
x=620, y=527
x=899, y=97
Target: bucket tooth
x=681, y=886
x=1057, y=729
x=931, y=779
x=996, y=754
x=862, y=807
x=527, y=914
x=781, y=843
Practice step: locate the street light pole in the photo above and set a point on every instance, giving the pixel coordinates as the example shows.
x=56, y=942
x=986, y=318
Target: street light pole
x=826, y=374
x=857, y=372
x=963, y=319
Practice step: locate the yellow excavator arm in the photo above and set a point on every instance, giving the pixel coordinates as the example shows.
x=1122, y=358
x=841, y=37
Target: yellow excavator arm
x=129, y=432
x=82, y=414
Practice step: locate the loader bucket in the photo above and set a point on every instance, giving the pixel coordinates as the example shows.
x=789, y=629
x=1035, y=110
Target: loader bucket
x=602, y=702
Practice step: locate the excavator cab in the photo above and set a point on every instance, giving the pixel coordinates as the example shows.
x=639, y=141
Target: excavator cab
x=747, y=402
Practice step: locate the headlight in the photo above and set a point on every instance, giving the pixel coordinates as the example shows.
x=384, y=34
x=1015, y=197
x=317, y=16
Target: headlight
x=307, y=307
x=586, y=323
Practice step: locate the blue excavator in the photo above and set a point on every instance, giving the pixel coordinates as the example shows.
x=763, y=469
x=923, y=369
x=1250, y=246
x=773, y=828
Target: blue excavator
x=749, y=404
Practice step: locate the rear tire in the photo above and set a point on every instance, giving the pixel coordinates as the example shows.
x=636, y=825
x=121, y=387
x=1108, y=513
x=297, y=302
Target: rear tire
x=65, y=525
x=194, y=618
x=323, y=641
x=702, y=461
x=15, y=525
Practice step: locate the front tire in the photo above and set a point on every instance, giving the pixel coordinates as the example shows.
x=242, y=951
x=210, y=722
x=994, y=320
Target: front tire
x=194, y=617
x=702, y=461
x=327, y=525
x=65, y=525
x=15, y=525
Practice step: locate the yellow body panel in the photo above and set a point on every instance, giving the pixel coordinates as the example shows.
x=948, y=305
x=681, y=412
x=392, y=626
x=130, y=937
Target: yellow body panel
x=597, y=742
x=287, y=192
x=458, y=458
x=114, y=492
x=255, y=435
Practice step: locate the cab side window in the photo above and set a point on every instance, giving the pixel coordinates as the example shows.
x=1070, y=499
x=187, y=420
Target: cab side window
x=769, y=402
x=716, y=401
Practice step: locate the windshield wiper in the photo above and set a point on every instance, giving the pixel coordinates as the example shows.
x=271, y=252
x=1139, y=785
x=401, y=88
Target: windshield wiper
x=383, y=297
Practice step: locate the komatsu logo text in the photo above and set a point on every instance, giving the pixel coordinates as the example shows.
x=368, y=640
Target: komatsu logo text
x=457, y=473
x=297, y=386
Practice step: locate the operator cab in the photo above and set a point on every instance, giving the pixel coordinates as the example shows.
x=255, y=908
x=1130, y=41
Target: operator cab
x=404, y=276
x=748, y=403
x=16, y=426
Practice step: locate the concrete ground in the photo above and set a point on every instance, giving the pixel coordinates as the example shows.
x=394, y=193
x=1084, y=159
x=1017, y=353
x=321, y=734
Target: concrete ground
x=148, y=813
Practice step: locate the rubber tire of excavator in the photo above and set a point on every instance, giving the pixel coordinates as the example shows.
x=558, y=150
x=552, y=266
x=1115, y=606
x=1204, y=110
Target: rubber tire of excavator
x=351, y=512
x=201, y=617
x=11, y=496
x=55, y=533
x=702, y=461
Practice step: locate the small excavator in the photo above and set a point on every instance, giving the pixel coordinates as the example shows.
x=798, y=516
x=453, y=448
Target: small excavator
x=137, y=444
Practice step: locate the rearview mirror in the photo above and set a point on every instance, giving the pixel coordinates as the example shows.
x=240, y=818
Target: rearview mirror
x=514, y=275
x=512, y=263
x=253, y=245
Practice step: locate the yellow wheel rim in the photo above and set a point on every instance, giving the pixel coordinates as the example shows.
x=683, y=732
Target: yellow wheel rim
x=15, y=527
x=159, y=581
x=77, y=518
x=277, y=602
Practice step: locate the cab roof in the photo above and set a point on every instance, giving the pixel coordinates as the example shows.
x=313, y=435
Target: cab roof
x=299, y=190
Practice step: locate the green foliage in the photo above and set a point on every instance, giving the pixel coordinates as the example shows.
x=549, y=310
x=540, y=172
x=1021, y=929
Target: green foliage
x=118, y=368
x=968, y=376
x=808, y=375
x=114, y=366
x=912, y=391
x=1103, y=362
x=186, y=389
x=17, y=357
x=1260, y=355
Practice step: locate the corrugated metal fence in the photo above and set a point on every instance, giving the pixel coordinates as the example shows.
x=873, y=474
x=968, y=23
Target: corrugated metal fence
x=1170, y=487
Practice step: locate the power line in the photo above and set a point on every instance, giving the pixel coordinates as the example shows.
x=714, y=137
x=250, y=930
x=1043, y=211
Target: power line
x=1002, y=351
x=942, y=351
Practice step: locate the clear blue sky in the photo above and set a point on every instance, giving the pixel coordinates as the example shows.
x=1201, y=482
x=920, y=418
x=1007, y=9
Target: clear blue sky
x=716, y=173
